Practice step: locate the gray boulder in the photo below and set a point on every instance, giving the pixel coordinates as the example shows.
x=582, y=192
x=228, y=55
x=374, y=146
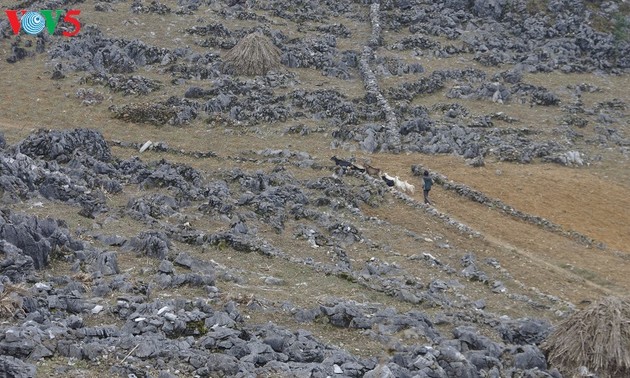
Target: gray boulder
x=222, y=363
x=30, y=235
x=529, y=357
x=524, y=331
x=14, y=263
x=61, y=145
x=11, y=367
x=151, y=243
x=106, y=264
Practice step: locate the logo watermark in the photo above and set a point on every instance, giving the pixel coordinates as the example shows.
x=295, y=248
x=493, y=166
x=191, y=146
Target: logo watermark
x=34, y=23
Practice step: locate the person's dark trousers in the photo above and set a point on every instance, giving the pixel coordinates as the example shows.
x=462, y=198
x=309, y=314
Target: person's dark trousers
x=426, y=197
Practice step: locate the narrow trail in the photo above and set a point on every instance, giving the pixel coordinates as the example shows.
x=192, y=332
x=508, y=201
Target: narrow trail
x=550, y=263
x=555, y=269
x=559, y=253
x=602, y=267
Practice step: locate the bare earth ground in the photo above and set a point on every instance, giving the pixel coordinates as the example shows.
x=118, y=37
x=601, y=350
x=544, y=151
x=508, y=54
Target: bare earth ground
x=593, y=200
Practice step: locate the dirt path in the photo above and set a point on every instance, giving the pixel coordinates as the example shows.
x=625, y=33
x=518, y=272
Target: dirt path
x=601, y=267
x=603, y=270
x=524, y=265
x=581, y=199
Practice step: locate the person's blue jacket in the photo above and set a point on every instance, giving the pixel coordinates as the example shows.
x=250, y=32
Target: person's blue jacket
x=427, y=182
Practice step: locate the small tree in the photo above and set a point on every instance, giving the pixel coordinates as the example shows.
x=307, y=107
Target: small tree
x=255, y=54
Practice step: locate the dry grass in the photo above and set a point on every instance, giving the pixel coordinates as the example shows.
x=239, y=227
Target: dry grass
x=597, y=337
x=253, y=55
x=591, y=201
x=11, y=301
x=29, y=100
x=535, y=6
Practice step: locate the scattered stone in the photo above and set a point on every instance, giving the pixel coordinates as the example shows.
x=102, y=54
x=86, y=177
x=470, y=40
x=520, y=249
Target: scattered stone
x=61, y=145
x=192, y=337
x=151, y=243
x=16, y=368
x=89, y=96
x=173, y=112
x=126, y=84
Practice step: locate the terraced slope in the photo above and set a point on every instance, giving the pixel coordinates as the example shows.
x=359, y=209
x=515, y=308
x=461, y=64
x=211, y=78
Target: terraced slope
x=231, y=246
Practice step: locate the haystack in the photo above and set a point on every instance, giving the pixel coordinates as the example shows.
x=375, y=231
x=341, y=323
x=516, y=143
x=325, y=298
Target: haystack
x=597, y=337
x=255, y=54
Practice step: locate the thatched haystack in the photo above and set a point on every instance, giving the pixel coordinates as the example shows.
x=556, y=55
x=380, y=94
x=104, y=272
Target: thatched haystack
x=255, y=54
x=597, y=337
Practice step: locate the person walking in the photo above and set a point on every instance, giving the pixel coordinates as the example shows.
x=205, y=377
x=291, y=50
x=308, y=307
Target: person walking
x=427, y=182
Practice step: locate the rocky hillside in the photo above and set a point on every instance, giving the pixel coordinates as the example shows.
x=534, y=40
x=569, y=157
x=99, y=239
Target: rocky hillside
x=163, y=216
